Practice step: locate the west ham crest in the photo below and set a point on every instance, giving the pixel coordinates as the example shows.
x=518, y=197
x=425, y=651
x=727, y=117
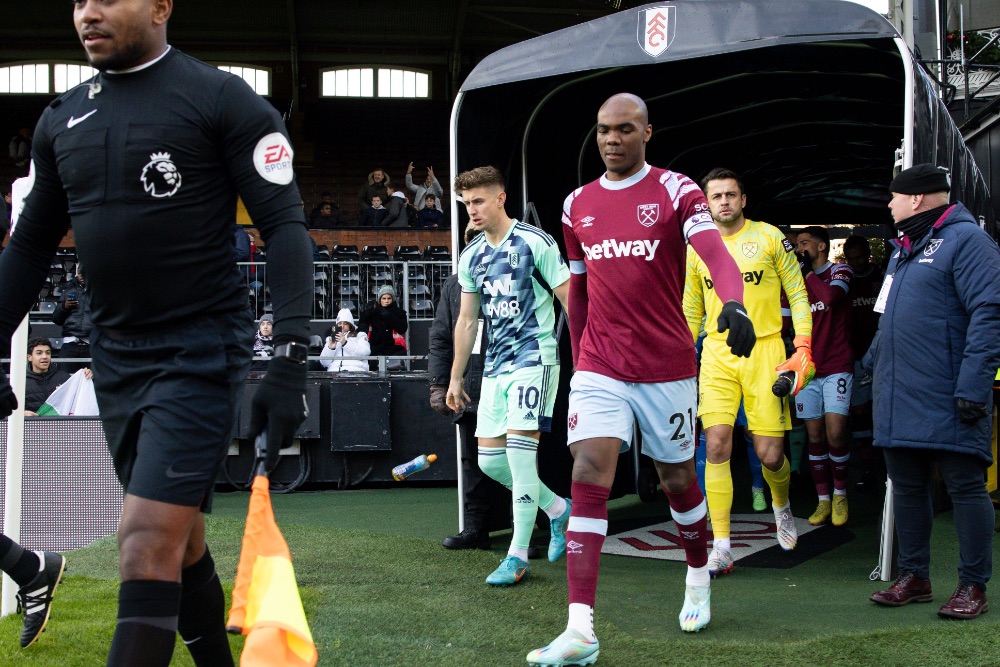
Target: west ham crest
x=572, y=421
x=749, y=249
x=932, y=246
x=648, y=214
x=657, y=27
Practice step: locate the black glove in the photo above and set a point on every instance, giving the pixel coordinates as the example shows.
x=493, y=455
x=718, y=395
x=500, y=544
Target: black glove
x=734, y=319
x=279, y=405
x=805, y=263
x=438, y=394
x=969, y=412
x=8, y=401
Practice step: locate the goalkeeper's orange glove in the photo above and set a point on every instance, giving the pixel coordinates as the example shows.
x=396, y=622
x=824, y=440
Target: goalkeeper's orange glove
x=800, y=363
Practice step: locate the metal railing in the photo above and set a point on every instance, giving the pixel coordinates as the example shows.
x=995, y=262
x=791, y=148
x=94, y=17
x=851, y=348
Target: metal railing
x=353, y=284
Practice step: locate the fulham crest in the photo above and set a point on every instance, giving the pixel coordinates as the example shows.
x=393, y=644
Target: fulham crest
x=657, y=27
x=160, y=177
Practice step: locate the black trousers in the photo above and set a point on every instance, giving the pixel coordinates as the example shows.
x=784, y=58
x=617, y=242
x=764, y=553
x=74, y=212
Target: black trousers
x=487, y=503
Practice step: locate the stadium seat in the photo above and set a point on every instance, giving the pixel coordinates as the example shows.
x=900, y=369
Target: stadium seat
x=407, y=252
x=350, y=305
x=349, y=274
x=419, y=290
x=381, y=272
x=416, y=273
x=46, y=308
x=374, y=252
x=422, y=308
x=342, y=252
x=437, y=252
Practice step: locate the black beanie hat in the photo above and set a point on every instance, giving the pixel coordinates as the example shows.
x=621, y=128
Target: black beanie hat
x=921, y=179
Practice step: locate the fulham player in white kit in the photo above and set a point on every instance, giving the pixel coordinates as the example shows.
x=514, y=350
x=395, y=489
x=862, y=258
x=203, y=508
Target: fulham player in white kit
x=626, y=236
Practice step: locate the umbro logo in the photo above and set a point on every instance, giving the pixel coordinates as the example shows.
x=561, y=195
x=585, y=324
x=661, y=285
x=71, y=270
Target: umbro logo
x=588, y=221
x=524, y=499
x=530, y=416
x=574, y=547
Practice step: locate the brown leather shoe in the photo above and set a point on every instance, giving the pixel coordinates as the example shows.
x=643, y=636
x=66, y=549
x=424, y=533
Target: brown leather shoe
x=966, y=602
x=908, y=588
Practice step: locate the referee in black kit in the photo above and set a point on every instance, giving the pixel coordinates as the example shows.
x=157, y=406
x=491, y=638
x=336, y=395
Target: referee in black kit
x=146, y=161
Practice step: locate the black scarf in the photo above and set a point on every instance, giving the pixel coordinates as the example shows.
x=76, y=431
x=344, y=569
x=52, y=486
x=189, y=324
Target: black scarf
x=917, y=225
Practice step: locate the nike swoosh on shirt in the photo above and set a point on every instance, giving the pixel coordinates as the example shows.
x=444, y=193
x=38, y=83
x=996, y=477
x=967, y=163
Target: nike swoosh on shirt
x=76, y=121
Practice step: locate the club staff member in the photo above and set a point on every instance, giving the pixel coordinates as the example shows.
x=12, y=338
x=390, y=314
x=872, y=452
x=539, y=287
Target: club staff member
x=934, y=356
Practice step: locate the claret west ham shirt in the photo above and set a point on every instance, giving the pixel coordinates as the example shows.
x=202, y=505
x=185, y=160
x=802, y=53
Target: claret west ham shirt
x=630, y=236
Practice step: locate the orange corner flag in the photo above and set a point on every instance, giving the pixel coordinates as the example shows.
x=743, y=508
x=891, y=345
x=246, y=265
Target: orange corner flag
x=266, y=604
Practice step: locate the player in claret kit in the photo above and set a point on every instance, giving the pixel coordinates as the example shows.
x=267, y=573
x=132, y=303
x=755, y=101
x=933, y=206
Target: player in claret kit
x=625, y=238
x=826, y=403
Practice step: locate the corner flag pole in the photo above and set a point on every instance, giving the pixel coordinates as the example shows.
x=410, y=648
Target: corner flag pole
x=19, y=189
x=15, y=459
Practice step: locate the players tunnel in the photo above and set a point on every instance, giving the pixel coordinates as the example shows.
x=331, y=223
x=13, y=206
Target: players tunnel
x=815, y=103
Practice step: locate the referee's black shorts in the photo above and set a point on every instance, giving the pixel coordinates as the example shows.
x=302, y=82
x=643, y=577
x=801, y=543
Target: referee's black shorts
x=169, y=401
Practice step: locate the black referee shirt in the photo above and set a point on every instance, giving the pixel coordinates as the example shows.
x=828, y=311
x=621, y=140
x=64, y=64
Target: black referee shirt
x=149, y=169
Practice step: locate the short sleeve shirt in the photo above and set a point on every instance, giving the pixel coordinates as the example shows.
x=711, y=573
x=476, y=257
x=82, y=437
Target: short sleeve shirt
x=515, y=280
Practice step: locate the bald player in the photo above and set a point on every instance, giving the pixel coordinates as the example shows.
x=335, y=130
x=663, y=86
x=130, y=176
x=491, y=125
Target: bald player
x=626, y=235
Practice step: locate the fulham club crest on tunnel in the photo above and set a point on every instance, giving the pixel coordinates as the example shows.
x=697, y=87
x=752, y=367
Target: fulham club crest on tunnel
x=657, y=27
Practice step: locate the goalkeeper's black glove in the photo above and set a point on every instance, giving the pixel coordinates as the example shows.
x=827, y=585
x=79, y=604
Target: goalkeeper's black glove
x=734, y=319
x=8, y=401
x=970, y=412
x=279, y=405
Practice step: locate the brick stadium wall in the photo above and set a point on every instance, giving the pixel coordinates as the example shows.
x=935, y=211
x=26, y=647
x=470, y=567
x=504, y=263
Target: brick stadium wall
x=358, y=236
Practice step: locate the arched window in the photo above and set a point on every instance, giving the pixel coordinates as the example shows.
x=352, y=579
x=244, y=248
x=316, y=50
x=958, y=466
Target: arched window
x=42, y=78
x=259, y=79
x=381, y=82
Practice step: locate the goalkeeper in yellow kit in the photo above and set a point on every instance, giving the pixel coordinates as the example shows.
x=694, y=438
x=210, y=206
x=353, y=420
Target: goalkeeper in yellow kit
x=769, y=265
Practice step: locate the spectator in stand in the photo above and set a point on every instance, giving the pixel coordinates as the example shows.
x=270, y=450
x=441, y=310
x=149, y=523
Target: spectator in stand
x=73, y=314
x=865, y=286
x=326, y=215
x=347, y=342
x=20, y=148
x=429, y=186
x=934, y=358
x=374, y=214
x=376, y=185
x=41, y=379
x=381, y=320
x=429, y=215
x=826, y=401
x=396, y=205
x=263, y=343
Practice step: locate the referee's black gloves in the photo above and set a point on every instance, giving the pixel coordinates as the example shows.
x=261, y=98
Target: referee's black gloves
x=969, y=412
x=279, y=405
x=734, y=319
x=8, y=401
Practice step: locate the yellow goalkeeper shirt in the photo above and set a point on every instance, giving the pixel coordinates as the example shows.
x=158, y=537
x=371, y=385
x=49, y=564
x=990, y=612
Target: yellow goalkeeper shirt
x=768, y=264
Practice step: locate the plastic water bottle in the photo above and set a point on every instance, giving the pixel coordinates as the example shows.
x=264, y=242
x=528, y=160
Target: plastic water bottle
x=783, y=385
x=404, y=470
